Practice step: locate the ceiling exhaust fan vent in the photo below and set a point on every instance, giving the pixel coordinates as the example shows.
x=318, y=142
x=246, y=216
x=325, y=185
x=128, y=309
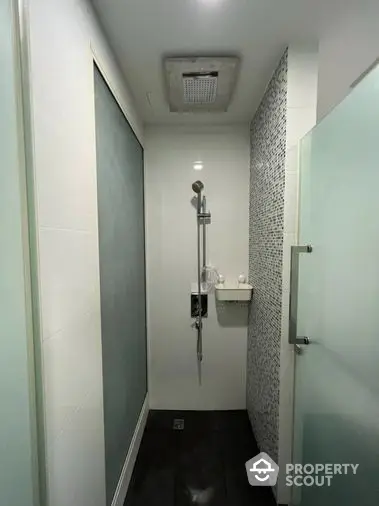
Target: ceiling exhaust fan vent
x=200, y=84
x=200, y=88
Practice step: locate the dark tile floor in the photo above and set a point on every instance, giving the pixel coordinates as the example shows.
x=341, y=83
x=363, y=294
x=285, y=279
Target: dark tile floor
x=202, y=464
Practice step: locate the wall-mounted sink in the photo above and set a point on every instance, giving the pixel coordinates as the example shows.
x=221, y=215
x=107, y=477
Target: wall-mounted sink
x=237, y=292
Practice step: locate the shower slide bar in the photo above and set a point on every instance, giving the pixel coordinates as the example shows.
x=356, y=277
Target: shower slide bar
x=202, y=216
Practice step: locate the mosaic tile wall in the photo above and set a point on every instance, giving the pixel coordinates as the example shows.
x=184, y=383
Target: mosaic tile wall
x=267, y=176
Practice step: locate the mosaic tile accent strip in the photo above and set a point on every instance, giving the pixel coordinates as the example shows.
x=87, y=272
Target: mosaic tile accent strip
x=267, y=179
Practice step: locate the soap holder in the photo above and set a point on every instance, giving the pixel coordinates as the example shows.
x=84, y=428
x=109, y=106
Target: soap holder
x=233, y=292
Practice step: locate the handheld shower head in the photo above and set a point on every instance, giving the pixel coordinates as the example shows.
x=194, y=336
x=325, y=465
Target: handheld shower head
x=197, y=186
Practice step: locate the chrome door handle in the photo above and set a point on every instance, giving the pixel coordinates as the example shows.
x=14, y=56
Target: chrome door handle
x=293, y=338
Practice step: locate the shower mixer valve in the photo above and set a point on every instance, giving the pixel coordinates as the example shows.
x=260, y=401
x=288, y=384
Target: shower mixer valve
x=195, y=305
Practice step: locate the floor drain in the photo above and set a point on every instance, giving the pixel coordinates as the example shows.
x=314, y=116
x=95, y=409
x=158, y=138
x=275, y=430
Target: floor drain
x=178, y=424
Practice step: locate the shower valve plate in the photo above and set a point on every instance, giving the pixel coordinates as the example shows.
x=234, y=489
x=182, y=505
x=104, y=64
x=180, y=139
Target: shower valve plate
x=195, y=305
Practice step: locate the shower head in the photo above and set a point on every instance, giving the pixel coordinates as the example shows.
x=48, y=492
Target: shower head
x=197, y=186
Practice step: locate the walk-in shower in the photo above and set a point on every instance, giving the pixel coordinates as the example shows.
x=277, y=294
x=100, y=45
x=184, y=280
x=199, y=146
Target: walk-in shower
x=203, y=219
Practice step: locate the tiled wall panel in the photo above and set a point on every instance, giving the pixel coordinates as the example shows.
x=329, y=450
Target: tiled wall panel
x=267, y=179
x=63, y=37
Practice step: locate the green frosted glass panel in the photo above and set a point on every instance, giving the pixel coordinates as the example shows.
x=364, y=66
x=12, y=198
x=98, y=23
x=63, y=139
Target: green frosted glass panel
x=337, y=376
x=16, y=414
x=122, y=277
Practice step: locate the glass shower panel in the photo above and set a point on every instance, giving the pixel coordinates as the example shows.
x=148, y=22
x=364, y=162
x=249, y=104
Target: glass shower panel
x=18, y=462
x=337, y=375
x=122, y=277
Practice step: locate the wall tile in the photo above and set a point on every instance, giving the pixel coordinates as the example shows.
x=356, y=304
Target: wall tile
x=287, y=112
x=292, y=159
x=290, y=202
x=302, y=81
x=267, y=180
x=172, y=265
x=74, y=405
x=74, y=458
x=285, y=317
x=64, y=36
x=300, y=120
x=287, y=364
x=65, y=351
x=69, y=277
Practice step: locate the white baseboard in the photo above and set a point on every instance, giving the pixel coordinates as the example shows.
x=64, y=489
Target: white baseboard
x=127, y=470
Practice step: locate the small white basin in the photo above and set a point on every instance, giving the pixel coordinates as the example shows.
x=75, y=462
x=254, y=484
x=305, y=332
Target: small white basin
x=237, y=292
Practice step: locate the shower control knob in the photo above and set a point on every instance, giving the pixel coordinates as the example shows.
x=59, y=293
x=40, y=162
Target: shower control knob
x=242, y=278
x=221, y=279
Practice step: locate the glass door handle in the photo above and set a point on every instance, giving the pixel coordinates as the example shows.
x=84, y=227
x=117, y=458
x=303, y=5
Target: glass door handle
x=293, y=338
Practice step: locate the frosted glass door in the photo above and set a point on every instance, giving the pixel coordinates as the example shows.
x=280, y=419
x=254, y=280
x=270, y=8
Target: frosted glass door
x=337, y=375
x=18, y=464
x=120, y=190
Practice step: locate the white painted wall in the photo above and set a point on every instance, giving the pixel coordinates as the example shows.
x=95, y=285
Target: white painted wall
x=302, y=81
x=171, y=247
x=347, y=49
x=62, y=36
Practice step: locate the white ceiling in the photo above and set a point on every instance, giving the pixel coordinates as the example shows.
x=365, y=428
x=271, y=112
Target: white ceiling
x=142, y=32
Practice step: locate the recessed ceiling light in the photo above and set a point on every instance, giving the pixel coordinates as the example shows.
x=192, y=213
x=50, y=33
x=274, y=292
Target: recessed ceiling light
x=198, y=165
x=210, y=2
